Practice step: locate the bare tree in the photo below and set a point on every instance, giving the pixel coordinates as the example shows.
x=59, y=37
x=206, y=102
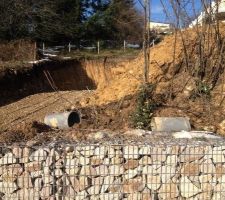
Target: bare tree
x=146, y=36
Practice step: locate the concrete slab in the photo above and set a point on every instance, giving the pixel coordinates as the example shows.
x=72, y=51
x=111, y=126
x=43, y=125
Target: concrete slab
x=170, y=124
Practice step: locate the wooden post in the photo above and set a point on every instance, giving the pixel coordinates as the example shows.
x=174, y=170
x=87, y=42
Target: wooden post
x=124, y=45
x=35, y=50
x=98, y=44
x=69, y=47
x=43, y=47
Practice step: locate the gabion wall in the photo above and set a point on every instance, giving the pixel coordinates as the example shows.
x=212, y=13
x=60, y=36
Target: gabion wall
x=114, y=172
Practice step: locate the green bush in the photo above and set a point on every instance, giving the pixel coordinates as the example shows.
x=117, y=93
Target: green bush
x=146, y=105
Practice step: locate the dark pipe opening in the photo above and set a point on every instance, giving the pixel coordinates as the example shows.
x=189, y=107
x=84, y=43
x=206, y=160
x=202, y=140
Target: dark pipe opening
x=74, y=118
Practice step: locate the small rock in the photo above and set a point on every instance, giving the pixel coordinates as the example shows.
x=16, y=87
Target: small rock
x=88, y=171
x=145, y=160
x=39, y=155
x=145, y=150
x=166, y=172
x=131, y=164
x=33, y=166
x=8, y=187
x=191, y=154
x=108, y=180
x=133, y=185
x=169, y=190
x=191, y=169
x=153, y=182
x=131, y=173
x=102, y=170
x=187, y=188
x=83, y=160
x=135, y=132
x=131, y=152
x=8, y=158
x=117, y=160
x=116, y=186
x=95, y=161
x=94, y=190
x=24, y=181
x=79, y=184
x=116, y=170
x=207, y=167
x=100, y=135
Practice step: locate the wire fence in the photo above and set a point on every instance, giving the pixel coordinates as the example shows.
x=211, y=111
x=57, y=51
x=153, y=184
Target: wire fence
x=113, y=172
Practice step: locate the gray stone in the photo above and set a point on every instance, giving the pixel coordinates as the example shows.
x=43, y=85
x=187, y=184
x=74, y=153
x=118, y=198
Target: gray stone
x=170, y=124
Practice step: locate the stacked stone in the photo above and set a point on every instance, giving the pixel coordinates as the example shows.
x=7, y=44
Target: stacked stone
x=113, y=172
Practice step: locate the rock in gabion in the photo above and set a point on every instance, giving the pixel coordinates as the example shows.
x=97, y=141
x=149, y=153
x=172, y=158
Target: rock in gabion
x=114, y=172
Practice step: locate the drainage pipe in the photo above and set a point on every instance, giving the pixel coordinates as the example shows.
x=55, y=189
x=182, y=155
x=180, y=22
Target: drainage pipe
x=63, y=120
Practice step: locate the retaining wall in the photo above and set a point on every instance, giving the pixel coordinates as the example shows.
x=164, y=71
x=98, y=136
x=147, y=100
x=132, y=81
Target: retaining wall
x=113, y=172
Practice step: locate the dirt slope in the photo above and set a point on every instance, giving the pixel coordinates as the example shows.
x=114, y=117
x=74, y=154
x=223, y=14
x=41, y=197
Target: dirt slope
x=112, y=104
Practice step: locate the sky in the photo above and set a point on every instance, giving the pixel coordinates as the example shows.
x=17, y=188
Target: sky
x=157, y=10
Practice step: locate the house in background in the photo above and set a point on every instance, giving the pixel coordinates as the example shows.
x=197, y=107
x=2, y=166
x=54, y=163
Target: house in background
x=216, y=11
x=160, y=27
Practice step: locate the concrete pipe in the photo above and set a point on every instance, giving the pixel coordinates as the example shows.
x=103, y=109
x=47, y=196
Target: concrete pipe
x=62, y=120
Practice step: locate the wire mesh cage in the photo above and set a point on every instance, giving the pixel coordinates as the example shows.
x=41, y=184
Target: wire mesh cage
x=113, y=172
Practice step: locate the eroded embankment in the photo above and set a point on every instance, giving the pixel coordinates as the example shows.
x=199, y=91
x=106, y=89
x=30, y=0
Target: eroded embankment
x=52, y=76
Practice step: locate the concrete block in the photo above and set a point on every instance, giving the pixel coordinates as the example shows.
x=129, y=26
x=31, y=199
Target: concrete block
x=170, y=124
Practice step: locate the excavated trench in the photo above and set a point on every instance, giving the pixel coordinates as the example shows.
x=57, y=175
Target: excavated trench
x=50, y=76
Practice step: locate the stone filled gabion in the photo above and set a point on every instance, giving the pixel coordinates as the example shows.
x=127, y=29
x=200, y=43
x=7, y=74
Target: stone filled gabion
x=113, y=172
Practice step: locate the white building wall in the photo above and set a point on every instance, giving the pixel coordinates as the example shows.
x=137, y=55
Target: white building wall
x=212, y=9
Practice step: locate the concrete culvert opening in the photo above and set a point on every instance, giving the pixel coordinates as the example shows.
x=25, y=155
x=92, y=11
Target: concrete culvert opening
x=73, y=118
x=62, y=120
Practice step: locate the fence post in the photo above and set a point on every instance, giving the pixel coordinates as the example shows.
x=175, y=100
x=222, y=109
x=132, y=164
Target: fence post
x=35, y=50
x=98, y=44
x=124, y=45
x=43, y=47
x=69, y=47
